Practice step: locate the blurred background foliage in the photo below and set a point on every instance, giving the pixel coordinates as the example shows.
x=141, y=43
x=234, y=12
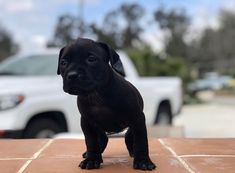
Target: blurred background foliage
x=7, y=46
x=213, y=50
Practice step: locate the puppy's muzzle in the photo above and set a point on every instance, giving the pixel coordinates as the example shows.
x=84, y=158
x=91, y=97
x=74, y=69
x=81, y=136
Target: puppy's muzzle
x=73, y=75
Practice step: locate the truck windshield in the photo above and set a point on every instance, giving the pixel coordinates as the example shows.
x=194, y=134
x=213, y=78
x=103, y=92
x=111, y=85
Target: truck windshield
x=30, y=66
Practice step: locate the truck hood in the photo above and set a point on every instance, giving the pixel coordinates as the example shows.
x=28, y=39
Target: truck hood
x=161, y=82
x=25, y=84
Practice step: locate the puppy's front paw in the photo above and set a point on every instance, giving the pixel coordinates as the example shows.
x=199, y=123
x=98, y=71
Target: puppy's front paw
x=84, y=155
x=90, y=163
x=144, y=164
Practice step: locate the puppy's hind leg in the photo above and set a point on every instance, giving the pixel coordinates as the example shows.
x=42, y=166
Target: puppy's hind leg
x=129, y=140
x=142, y=160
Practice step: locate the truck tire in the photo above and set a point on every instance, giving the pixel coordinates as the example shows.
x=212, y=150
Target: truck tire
x=164, y=115
x=42, y=128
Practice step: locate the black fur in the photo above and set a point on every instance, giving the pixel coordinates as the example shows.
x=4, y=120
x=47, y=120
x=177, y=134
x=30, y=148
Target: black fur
x=107, y=102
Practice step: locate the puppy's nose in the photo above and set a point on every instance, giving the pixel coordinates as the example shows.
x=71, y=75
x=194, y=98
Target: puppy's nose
x=72, y=75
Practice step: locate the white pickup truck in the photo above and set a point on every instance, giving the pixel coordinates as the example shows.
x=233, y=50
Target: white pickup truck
x=33, y=104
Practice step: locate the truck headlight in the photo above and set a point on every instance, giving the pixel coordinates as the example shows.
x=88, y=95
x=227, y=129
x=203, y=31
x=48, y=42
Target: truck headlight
x=10, y=101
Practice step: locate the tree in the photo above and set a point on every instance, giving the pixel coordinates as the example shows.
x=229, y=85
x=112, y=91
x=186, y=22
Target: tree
x=121, y=27
x=67, y=29
x=150, y=64
x=110, y=31
x=214, y=50
x=225, y=43
x=176, y=24
x=144, y=60
x=7, y=45
x=132, y=13
x=205, y=51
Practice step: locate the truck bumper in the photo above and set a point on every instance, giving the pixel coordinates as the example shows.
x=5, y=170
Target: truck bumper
x=10, y=124
x=16, y=134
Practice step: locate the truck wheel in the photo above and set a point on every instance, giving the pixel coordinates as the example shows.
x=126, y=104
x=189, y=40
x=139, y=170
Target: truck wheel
x=164, y=115
x=42, y=128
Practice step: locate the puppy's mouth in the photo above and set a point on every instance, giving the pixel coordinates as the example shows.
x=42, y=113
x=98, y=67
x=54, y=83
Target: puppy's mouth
x=79, y=89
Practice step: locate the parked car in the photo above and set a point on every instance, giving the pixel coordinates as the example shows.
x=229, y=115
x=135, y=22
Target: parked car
x=231, y=83
x=211, y=81
x=33, y=104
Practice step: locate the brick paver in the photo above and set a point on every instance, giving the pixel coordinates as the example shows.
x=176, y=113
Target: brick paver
x=176, y=155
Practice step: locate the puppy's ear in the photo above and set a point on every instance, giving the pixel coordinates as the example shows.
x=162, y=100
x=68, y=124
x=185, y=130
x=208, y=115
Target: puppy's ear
x=60, y=54
x=113, y=58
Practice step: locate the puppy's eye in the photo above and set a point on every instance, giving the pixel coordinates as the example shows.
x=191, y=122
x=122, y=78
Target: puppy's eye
x=63, y=62
x=91, y=60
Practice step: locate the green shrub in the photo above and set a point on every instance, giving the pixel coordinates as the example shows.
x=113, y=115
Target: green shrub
x=149, y=64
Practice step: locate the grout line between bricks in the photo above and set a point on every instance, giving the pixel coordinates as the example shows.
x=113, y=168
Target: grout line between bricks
x=186, y=166
x=35, y=155
x=43, y=148
x=8, y=159
x=205, y=155
x=25, y=165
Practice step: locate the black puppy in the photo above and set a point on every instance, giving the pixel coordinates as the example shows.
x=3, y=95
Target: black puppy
x=107, y=102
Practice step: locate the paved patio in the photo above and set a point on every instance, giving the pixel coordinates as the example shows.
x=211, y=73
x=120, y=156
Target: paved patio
x=172, y=155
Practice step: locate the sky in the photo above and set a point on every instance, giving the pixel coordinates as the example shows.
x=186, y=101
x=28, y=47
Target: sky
x=32, y=22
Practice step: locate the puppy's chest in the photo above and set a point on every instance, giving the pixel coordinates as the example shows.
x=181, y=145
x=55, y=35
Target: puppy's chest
x=101, y=113
x=100, y=108
x=104, y=114
x=107, y=119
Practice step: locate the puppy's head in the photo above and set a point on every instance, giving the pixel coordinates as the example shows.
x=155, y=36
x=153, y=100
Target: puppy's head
x=84, y=66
